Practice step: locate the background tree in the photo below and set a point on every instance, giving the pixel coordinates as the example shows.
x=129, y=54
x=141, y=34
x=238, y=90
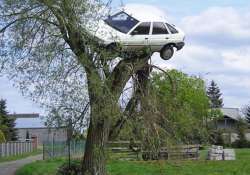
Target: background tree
x=27, y=135
x=7, y=124
x=246, y=111
x=2, y=137
x=47, y=51
x=214, y=95
x=176, y=105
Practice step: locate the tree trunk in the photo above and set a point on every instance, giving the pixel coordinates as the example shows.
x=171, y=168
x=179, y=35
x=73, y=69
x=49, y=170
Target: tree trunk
x=94, y=162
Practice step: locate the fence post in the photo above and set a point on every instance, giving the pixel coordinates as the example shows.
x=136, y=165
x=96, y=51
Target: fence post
x=0, y=150
x=43, y=152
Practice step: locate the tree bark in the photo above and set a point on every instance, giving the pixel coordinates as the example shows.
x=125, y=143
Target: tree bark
x=94, y=162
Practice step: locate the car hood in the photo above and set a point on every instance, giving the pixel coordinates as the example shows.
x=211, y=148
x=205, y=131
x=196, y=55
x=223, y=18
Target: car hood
x=104, y=32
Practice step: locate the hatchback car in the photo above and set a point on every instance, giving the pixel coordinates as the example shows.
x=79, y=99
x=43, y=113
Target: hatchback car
x=135, y=30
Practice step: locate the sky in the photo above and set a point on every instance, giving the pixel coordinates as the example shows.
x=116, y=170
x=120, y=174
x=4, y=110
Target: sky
x=217, y=48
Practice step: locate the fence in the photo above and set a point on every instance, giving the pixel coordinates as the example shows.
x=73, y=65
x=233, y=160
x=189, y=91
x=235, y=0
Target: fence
x=16, y=148
x=52, y=149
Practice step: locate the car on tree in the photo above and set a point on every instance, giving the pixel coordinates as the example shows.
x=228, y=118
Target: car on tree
x=134, y=30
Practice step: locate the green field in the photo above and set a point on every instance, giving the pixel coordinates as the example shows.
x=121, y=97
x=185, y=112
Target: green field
x=17, y=157
x=202, y=167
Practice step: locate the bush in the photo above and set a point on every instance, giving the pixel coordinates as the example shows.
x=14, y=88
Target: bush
x=2, y=137
x=241, y=144
x=242, y=141
x=216, y=138
x=74, y=169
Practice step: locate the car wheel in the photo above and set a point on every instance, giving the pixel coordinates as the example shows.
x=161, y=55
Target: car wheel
x=167, y=52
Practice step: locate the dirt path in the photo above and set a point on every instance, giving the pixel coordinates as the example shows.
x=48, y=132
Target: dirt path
x=9, y=168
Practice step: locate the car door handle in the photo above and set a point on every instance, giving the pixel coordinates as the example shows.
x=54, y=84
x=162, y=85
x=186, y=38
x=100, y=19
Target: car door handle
x=167, y=37
x=146, y=38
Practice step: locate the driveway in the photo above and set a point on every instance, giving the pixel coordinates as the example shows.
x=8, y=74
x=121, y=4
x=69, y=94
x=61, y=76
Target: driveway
x=9, y=168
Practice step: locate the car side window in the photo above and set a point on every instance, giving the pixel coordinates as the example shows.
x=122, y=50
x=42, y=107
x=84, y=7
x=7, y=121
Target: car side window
x=159, y=28
x=142, y=29
x=172, y=29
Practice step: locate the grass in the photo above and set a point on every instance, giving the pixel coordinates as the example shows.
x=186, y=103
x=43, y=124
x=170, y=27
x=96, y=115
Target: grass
x=202, y=167
x=17, y=157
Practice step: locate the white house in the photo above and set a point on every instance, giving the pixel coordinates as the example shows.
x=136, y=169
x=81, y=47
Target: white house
x=35, y=127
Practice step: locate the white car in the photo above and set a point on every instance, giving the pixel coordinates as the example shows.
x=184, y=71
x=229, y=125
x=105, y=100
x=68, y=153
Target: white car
x=135, y=30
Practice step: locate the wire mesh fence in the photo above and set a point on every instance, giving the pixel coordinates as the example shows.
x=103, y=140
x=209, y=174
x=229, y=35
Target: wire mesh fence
x=53, y=149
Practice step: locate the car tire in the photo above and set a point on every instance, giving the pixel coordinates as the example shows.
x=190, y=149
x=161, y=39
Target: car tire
x=167, y=52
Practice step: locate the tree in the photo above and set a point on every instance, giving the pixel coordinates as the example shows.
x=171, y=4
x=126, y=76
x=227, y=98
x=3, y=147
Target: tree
x=47, y=50
x=246, y=111
x=241, y=142
x=214, y=95
x=183, y=100
x=27, y=135
x=7, y=124
x=175, y=107
x=2, y=137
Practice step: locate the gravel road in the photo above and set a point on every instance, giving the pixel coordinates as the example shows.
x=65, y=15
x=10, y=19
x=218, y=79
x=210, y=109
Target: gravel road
x=9, y=168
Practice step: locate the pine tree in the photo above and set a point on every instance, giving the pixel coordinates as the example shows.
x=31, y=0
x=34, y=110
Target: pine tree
x=247, y=113
x=214, y=95
x=7, y=124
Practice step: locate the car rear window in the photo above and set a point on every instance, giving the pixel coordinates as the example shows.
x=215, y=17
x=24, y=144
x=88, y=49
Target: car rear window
x=142, y=29
x=159, y=28
x=172, y=29
x=121, y=22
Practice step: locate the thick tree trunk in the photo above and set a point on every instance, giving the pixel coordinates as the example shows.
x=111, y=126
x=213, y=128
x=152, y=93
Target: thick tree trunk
x=94, y=157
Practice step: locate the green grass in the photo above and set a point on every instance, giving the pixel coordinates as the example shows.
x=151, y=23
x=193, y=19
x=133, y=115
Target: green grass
x=17, y=157
x=48, y=167
x=202, y=167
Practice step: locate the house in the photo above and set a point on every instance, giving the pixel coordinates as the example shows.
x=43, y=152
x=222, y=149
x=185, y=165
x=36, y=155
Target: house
x=34, y=127
x=231, y=116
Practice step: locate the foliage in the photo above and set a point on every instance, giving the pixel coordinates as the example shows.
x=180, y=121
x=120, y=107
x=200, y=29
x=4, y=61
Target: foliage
x=73, y=169
x=2, y=137
x=214, y=95
x=47, y=50
x=177, y=107
x=241, y=142
x=27, y=135
x=246, y=111
x=216, y=137
x=7, y=124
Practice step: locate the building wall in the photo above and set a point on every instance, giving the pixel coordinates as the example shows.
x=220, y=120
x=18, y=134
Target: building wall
x=226, y=124
x=43, y=134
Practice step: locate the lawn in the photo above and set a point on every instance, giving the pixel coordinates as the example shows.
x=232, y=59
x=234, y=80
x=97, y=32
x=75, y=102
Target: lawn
x=17, y=157
x=239, y=167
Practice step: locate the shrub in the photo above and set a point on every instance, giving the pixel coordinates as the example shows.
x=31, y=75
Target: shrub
x=74, y=169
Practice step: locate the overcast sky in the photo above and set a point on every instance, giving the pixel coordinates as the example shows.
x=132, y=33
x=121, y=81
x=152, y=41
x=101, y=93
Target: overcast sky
x=217, y=47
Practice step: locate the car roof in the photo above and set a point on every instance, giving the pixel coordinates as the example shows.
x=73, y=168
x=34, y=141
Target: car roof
x=144, y=13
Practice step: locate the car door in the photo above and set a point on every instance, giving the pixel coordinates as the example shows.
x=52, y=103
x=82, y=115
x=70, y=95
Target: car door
x=138, y=37
x=160, y=36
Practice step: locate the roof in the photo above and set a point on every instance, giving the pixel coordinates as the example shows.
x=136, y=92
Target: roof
x=28, y=121
x=34, y=115
x=233, y=113
x=145, y=13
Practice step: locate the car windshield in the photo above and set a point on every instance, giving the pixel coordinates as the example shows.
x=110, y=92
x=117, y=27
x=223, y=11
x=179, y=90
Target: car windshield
x=121, y=22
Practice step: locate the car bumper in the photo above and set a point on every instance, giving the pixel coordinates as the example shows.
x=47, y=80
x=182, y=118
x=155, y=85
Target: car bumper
x=180, y=45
